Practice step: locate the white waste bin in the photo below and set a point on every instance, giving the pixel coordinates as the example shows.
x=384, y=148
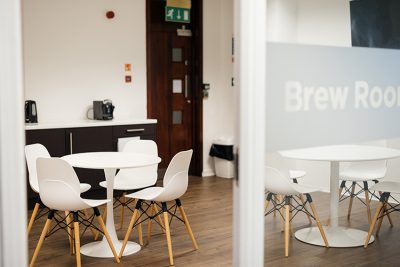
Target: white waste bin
x=222, y=151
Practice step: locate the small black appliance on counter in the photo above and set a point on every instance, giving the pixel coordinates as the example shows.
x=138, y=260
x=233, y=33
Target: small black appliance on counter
x=30, y=112
x=103, y=110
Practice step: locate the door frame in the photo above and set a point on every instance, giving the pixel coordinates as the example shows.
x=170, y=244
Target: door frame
x=250, y=27
x=13, y=236
x=197, y=81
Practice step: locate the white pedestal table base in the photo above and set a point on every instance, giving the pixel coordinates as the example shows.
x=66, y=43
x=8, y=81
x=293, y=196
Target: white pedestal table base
x=338, y=237
x=101, y=249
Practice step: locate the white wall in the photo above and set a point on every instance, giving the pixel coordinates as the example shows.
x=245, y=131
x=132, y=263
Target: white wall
x=73, y=55
x=219, y=110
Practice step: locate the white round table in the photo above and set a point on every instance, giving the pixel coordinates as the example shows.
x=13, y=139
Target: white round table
x=338, y=236
x=110, y=162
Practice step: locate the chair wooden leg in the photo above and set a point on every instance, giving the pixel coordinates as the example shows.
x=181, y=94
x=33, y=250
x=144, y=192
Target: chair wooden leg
x=321, y=230
x=128, y=232
x=150, y=224
x=77, y=242
x=368, y=206
x=158, y=217
x=353, y=188
x=287, y=226
x=140, y=234
x=94, y=232
x=276, y=200
x=41, y=239
x=168, y=236
x=371, y=227
x=123, y=201
x=33, y=217
x=266, y=204
x=290, y=221
x=106, y=234
x=70, y=232
x=382, y=214
x=389, y=218
x=188, y=228
x=304, y=204
x=282, y=219
x=104, y=217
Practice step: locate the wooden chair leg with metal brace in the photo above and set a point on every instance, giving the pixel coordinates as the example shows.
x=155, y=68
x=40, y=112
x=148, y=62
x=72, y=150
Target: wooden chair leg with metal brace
x=378, y=216
x=385, y=207
x=278, y=183
x=72, y=228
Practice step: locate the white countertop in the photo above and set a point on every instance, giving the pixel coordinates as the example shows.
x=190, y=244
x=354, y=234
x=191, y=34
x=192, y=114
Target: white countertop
x=87, y=123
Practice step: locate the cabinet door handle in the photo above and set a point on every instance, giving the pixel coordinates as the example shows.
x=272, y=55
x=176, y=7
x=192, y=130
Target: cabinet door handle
x=134, y=130
x=186, y=85
x=70, y=142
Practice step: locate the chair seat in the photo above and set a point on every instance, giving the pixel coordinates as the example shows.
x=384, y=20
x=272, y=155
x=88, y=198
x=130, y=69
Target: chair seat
x=297, y=189
x=84, y=187
x=150, y=193
x=387, y=186
x=125, y=186
x=357, y=176
x=296, y=174
x=95, y=202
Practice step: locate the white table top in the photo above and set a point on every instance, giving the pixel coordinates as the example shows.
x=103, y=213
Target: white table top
x=110, y=160
x=342, y=153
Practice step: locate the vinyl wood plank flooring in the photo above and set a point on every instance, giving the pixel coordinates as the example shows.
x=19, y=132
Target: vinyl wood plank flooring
x=208, y=204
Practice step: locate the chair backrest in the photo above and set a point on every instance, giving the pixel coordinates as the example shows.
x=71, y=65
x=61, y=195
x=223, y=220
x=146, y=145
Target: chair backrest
x=176, y=177
x=144, y=176
x=278, y=182
x=378, y=168
x=59, y=186
x=32, y=153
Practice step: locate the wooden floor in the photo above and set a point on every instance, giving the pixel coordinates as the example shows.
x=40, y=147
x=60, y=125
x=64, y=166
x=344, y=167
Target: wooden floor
x=208, y=204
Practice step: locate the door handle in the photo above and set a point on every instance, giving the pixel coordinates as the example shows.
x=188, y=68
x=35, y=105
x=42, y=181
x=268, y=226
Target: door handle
x=70, y=142
x=186, y=85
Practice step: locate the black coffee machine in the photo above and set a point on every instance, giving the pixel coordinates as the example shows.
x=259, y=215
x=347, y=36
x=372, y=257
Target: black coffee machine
x=30, y=112
x=103, y=110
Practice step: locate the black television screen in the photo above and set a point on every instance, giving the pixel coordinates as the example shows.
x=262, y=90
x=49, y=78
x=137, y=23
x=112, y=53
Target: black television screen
x=375, y=23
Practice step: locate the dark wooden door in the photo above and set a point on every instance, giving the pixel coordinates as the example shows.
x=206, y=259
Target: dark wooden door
x=174, y=84
x=180, y=90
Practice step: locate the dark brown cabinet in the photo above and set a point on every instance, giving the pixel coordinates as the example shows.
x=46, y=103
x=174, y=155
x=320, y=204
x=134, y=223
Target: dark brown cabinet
x=52, y=139
x=60, y=142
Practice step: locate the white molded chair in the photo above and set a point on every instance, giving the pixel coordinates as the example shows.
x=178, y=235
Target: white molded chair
x=32, y=153
x=175, y=184
x=135, y=178
x=278, y=183
x=385, y=207
x=60, y=191
x=361, y=172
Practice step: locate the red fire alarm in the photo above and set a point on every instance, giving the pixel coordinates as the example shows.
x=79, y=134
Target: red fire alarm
x=110, y=14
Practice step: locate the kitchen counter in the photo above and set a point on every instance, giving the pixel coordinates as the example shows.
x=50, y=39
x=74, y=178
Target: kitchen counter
x=87, y=123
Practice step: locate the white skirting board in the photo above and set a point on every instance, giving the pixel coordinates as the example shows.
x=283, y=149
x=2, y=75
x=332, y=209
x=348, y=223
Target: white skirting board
x=207, y=172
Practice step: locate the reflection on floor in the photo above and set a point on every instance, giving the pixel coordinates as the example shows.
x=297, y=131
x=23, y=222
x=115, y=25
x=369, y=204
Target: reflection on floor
x=208, y=204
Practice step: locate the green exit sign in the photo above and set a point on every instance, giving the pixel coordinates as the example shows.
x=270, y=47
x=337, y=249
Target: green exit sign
x=177, y=14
